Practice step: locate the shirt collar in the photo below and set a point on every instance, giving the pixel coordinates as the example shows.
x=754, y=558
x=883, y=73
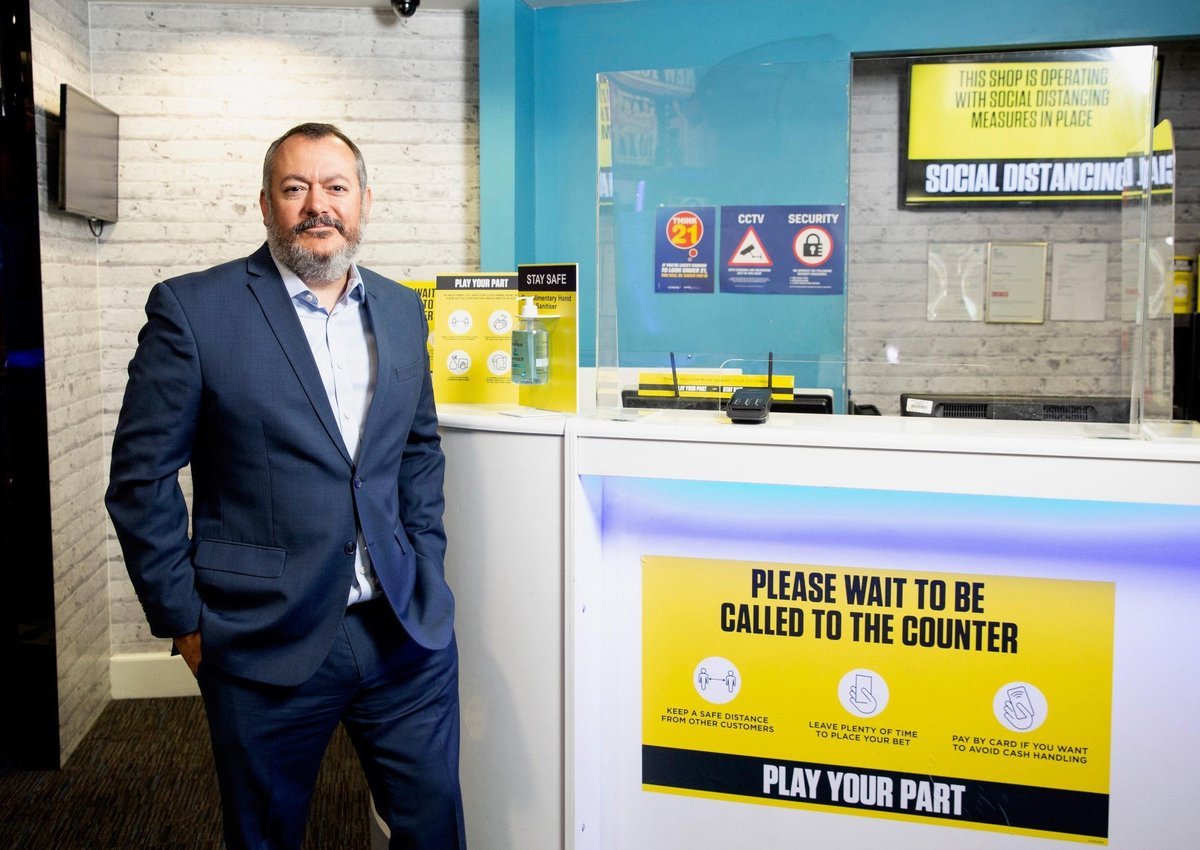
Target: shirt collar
x=296, y=288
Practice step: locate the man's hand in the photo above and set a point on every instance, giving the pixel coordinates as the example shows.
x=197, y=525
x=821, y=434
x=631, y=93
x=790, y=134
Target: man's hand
x=189, y=647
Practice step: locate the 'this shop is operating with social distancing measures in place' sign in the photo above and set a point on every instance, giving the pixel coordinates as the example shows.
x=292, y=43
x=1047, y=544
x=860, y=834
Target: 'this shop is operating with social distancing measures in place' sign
x=1030, y=129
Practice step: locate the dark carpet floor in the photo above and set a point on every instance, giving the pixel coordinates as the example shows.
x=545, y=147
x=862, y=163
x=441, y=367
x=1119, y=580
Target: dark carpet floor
x=143, y=779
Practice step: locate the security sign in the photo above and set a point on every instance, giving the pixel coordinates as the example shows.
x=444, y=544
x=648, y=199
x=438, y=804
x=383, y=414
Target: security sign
x=813, y=246
x=783, y=250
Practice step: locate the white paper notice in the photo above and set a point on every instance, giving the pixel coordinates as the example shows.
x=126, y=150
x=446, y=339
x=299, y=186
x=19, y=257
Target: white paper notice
x=956, y=278
x=1016, y=290
x=1078, y=282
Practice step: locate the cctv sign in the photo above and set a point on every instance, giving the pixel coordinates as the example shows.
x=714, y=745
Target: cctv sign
x=783, y=250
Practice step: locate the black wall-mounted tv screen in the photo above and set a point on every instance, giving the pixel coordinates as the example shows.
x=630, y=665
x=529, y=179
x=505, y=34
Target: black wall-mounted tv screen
x=87, y=157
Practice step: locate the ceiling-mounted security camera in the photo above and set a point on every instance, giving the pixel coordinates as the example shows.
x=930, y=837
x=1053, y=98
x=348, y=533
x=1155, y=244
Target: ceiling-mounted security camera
x=405, y=8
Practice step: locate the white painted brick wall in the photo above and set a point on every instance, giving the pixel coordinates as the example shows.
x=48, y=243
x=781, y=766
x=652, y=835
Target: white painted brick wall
x=74, y=402
x=887, y=289
x=203, y=89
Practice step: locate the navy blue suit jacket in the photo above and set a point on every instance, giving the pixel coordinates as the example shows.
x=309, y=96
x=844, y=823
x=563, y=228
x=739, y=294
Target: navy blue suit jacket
x=224, y=379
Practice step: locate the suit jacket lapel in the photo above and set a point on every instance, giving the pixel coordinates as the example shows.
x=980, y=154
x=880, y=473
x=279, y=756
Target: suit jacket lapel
x=267, y=286
x=384, y=358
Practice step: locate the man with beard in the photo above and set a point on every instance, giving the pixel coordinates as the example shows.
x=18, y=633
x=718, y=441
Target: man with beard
x=310, y=590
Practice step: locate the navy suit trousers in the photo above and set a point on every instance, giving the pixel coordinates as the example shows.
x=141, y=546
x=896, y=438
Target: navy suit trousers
x=399, y=703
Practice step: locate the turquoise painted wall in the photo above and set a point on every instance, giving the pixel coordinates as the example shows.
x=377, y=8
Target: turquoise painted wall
x=506, y=67
x=538, y=69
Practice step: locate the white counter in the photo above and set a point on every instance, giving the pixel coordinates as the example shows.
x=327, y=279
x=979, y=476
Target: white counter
x=1062, y=460
x=547, y=580
x=1044, y=503
x=504, y=523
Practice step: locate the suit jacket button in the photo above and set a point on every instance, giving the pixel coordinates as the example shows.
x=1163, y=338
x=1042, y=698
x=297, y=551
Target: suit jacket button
x=349, y=548
x=357, y=482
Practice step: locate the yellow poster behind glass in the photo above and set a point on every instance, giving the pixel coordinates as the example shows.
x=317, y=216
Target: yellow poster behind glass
x=425, y=289
x=1036, y=126
x=968, y=700
x=1061, y=109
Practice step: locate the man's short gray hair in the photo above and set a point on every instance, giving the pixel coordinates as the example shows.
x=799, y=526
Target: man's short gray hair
x=313, y=131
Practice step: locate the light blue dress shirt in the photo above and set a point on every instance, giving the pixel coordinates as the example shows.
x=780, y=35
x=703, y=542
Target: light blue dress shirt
x=343, y=346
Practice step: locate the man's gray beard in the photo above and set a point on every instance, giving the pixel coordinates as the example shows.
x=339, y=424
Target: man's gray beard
x=308, y=265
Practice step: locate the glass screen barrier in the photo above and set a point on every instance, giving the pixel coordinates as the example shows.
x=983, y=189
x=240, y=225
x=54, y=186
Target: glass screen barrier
x=896, y=231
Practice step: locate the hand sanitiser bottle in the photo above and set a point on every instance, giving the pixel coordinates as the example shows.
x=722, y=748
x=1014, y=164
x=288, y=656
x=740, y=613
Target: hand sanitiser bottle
x=530, y=346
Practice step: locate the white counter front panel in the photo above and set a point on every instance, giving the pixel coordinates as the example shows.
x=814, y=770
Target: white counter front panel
x=504, y=521
x=1117, y=519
